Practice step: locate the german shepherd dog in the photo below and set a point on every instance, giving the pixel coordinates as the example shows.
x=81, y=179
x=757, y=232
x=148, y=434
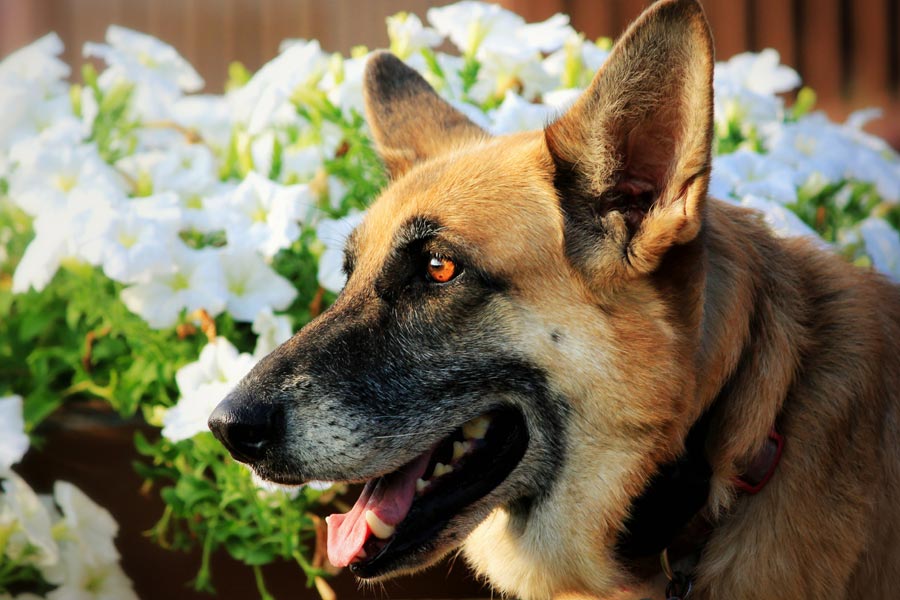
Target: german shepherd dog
x=554, y=352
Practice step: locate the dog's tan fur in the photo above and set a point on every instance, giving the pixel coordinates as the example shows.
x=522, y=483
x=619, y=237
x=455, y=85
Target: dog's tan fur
x=698, y=302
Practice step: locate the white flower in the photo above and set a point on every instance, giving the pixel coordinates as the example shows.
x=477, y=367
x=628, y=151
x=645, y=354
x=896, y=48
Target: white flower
x=576, y=62
x=55, y=237
x=265, y=98
x=183, y=168
x=27, y=114
x=272, y=331
x=208, y=114
x=131, y=240
x=344, y=86
x=746, y=88
x=252, y=284
x=265, y=214
x=143, y=59
x=515, y=114
x=782, y=221
x=203, y=384
x=23, y=515
x=882, y=245
x=469, y=24
x=47, y=175
x=334, y=233
x=80, y=580
x=87, y=525
x=759, y=72
x=815, y=145
x=194, y=281
x=37, y=63
x=745, y=173
x=408, y=35
x=508, y=69
x=14, y=441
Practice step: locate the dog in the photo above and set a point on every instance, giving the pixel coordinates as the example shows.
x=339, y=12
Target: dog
x=556, y=353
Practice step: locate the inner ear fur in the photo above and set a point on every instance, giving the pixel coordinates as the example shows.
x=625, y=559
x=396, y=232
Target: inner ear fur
x=409, y=121
x=632, y=156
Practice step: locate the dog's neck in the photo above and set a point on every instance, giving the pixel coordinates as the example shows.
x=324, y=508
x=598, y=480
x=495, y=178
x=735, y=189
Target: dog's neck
x=753, y=319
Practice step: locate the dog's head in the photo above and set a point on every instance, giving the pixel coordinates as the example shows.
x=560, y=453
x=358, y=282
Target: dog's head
x=512, y=354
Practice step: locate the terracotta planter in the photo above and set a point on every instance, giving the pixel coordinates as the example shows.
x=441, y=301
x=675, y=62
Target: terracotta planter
x=95, y=451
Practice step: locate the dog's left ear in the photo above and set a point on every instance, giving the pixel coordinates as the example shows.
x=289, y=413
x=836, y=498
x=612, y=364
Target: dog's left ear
x=632, y=156
x=409, y=121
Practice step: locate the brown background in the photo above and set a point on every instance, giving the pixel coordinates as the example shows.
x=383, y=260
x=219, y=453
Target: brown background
x=847, y=50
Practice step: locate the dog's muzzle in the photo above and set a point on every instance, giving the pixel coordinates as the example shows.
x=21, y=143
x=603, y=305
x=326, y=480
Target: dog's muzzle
x=247, y=428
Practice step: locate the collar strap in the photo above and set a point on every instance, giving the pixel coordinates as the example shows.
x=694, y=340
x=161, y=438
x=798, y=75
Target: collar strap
x=680, y=490
x=762, y=467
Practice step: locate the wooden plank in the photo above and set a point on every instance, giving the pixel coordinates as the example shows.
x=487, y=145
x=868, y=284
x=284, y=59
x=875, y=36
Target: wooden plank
x=627, y=11
x=535, y=11
x=774, y=28
x=593, y=18
x=869, y=56
x=819, y=59
x=727, y=18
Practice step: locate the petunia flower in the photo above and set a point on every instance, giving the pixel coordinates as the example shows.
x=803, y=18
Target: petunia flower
x=195, y=280
x=408, y=36
x=272, y=330
x=131, y=240
x=14, y=441
x=27, y=522
x=516, y=114
x=266, y=215
x=743, y=173
x=146, y=60
x=80, y=580
x=882, y=243
x=470, y=25
x=203, y=384
x=252, y=284
x=333, y=233
x=87, y=525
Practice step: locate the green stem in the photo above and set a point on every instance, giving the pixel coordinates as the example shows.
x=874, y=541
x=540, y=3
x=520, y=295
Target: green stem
x=260, y=584
x=203, y=581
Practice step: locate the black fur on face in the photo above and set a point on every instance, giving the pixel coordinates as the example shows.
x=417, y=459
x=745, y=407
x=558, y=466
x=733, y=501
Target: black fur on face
x=397, y=365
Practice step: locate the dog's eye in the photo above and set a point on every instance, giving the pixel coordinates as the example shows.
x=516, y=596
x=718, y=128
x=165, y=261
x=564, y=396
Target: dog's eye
x=441, y=270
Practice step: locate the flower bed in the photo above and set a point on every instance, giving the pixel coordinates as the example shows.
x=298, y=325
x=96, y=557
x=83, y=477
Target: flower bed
x=157, y=242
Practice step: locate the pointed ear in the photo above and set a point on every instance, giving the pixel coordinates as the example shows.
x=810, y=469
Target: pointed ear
x=409, y=121
x=632, y=156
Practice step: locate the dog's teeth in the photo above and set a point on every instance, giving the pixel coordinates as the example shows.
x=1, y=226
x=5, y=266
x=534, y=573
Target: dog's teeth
x=476, y=428
x=379, y=528
x=440, y=469
x=421, y=484
x=460, y=449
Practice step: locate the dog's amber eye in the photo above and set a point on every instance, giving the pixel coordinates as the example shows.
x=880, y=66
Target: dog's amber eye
x=440, y=269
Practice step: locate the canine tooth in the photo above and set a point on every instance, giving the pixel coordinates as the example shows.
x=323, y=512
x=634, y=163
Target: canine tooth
x=440, y=469
x=421, y=484
x=460, y=449
x=381, y=529
x=476, y=428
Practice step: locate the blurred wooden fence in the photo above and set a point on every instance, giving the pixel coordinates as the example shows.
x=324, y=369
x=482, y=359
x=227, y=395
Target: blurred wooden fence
x=847, y=50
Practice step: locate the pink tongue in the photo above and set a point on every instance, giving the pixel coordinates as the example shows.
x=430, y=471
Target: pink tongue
x=389, y=497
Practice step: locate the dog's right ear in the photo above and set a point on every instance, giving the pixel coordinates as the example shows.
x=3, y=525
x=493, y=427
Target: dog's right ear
x=409, y=121
x=633, y=155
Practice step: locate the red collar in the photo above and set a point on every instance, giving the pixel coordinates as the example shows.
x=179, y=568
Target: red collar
x=762, y=467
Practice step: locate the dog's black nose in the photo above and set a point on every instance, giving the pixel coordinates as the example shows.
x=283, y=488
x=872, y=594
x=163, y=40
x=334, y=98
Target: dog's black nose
x=246, y=427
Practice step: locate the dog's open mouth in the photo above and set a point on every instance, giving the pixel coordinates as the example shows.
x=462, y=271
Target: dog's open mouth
x=404, y=513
